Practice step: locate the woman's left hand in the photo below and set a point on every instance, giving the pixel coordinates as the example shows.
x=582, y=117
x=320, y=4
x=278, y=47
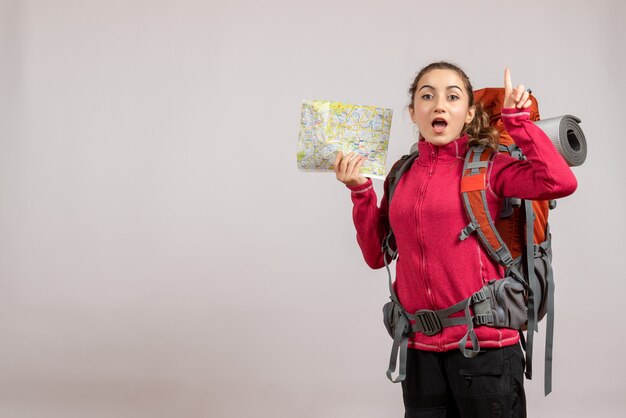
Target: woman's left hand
x=518, y=97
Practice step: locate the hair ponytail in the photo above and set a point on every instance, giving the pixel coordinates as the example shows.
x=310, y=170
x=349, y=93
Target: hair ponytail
x=480, y=131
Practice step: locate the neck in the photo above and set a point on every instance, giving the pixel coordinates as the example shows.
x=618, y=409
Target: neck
x=451, y=151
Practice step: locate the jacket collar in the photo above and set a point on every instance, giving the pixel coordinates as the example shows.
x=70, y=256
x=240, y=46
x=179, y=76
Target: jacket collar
x=443, y=153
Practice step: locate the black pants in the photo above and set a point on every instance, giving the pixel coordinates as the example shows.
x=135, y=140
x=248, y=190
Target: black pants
x=448, y=385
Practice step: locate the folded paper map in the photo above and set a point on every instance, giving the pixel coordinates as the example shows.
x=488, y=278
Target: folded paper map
x=328, y=127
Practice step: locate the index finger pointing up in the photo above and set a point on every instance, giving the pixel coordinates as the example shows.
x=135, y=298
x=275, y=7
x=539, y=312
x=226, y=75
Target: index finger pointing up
x=508, y=86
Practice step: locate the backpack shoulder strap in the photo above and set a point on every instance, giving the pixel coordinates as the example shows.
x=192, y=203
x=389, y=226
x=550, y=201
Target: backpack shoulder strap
x=396, y=172
x=391, y=181
x=473, y=192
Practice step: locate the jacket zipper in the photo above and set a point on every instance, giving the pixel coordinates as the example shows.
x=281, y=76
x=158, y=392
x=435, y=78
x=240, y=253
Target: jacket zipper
x=434, y=156
x=431, y=169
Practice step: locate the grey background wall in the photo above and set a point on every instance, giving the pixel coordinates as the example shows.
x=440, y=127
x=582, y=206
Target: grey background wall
x=160, y=254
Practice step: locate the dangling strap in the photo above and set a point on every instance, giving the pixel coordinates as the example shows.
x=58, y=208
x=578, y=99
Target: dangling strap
x=400, y=342
x=400, y=337
x=547, y=379
x=471, y=353
x=533, y=306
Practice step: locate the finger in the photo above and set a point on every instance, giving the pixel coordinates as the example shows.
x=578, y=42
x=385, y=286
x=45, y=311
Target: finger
x=528, y=103
x=338, y=160
x=352, y=163
x=357, y=167
x=508, y=87
x=523, y=99
x=519, y=100
x=341, y=164
x=345, y=163
x=519, y=90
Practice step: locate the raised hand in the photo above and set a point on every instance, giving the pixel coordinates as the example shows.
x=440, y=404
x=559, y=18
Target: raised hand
x=347, y=168
x=518, y=97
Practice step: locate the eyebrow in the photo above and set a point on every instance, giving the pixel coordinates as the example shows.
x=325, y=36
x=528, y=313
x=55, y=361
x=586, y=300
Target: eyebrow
x=447, y=88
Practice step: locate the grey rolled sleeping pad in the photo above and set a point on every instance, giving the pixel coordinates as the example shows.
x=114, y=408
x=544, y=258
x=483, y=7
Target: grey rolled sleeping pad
x=567, y=136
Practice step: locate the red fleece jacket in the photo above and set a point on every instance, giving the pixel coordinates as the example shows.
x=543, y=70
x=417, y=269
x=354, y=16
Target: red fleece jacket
x=435, y=269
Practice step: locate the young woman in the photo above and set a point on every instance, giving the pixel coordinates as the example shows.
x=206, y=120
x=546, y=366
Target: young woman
x=435, y=270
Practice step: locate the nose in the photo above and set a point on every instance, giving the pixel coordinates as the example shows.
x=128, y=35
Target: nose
x=439, y=105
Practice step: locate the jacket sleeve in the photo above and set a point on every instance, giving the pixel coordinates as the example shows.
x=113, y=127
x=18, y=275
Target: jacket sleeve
x=543, y=175
x=371, y=222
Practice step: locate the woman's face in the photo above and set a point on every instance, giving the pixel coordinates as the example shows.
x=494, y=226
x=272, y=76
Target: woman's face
x=441, y=106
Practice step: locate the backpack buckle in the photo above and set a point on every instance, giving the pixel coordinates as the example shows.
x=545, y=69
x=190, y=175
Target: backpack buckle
x=483, y=319
x=468, y=230
x=479, y=296
x=427, y=322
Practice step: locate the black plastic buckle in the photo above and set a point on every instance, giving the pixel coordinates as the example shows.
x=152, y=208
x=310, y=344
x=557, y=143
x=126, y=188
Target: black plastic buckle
x=427, y=322
x=505, y=256
x=484, y=319
x=479, y=296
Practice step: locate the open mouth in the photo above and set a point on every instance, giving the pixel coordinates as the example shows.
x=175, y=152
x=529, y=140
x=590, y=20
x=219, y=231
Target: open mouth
x=439, y=125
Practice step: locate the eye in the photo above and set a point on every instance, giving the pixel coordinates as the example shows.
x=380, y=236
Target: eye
x=427, y=96
x=454, y=97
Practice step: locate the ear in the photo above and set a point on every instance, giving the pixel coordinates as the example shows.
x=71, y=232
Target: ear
x=412, y=113
x=470, y=115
